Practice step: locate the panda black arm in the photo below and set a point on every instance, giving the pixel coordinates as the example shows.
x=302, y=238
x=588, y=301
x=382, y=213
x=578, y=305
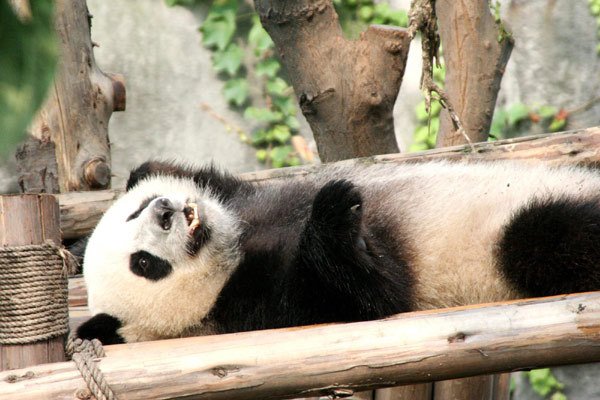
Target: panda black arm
x=340, y=271
x=222, y=183
x=102, y=327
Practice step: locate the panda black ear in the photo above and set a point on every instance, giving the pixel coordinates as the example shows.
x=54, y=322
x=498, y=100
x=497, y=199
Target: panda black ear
x=157, y=168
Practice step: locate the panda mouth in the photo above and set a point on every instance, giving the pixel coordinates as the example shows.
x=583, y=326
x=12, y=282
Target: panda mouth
x=191, y=215
x=199, y=232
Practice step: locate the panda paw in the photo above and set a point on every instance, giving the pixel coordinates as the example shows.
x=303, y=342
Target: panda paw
x=103, y=327
x=338, y=206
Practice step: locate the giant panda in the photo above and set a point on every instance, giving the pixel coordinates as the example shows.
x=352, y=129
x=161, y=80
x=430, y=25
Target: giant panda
x=194, y=250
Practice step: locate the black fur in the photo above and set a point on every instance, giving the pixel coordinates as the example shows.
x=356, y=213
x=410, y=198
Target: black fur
x=149, y=266
x=552, y=246
x=222, y=184
x=314, y=265
x=102, y=327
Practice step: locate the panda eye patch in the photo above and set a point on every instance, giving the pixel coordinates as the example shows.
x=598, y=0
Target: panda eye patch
x=149, y=266
x=141, y=208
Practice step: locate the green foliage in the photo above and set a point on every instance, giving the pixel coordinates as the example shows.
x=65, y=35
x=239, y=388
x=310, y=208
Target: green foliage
x=28, y=55
x=544, y=383
x=509, y=122
x=595, y=11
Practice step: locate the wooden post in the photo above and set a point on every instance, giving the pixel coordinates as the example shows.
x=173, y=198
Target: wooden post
x=68, y=148
x=25, y=220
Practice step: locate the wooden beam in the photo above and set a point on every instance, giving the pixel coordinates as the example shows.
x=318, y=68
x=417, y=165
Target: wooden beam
x=340, y=358
x=79, y=212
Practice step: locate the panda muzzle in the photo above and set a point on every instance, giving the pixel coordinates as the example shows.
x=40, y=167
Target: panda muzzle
x=164, y=211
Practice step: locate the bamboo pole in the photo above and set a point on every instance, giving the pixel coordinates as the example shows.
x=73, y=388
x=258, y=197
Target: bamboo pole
x=24, y=220
x=80, y=212
x=338, y=359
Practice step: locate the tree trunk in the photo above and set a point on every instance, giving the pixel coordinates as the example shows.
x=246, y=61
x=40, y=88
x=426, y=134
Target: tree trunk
x=476, y=51
x=346, y=89
x=73, y=124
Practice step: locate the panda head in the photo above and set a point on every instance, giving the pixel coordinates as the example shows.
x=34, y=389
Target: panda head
x=159, y=257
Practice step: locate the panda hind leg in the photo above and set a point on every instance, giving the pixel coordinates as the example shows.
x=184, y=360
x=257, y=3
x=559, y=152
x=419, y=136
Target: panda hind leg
x=552, y=247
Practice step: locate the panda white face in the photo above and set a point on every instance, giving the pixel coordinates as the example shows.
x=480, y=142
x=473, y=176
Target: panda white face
x=159, y=257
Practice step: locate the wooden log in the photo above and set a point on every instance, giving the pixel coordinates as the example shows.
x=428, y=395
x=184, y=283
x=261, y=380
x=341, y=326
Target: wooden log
x=24, y=220
x=72, y=127
x=79, y=212
x=323, y=360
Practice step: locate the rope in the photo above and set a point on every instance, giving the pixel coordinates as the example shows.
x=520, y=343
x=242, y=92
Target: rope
x=34, y=292
x=86, y=354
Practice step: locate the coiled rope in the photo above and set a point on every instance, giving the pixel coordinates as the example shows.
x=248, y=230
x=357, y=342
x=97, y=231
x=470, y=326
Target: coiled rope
x=33, y=292
x=34, y=306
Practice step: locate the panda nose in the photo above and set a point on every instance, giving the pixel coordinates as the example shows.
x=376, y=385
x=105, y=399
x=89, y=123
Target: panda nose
x=163, y=210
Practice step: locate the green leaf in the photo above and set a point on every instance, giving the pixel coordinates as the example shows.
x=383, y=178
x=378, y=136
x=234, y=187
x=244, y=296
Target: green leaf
x=281, y=133
x=433, y=131
x=285, y=104
x=217, y=33
x=261, y=155
x=279, y=154
x=436, y=107
x=219, y=25
x=399, y=18
x=516, y=113
x=172, y=3
x=263, y=114
x=421, y=113
x=236, y=91
x=269, y=68
x=418, y=146
x=557, y=124
x=28, y=54
x=365, y=13
x=276, y=86
x=558, y=396
x=259, y=138
x=293, y=161
x=421, y=134
x=547, y=111
x=258, y=36
x=292, y=122
x=498, y=124
x=229, y=60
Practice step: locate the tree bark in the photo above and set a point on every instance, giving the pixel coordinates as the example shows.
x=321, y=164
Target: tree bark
x=346, y=89
x=339, y=358
x=475, y=60
x=74, y=120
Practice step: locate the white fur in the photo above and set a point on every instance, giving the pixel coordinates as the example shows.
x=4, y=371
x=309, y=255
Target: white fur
x=170, y=306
